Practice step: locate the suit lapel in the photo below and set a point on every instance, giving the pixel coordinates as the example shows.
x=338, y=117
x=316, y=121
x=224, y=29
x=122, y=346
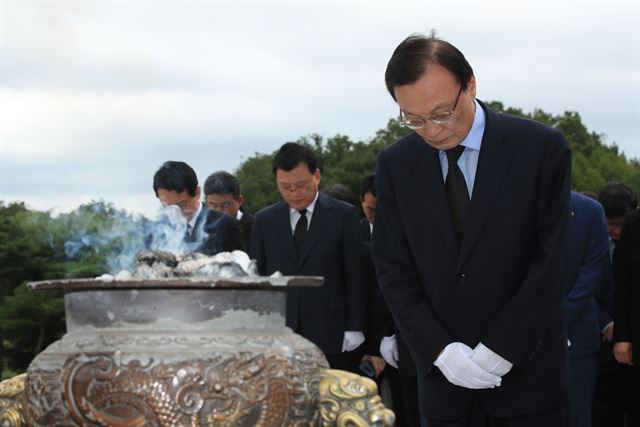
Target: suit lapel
x=319, y=220
x=283, y=228
x=493, y=163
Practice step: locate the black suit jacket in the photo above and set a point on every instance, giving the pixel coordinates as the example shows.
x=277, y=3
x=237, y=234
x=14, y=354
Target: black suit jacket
x=332, y=248
x=626, y=264
x=246, y=222
x=504, y=287
x=217, y=232
x=379, y=321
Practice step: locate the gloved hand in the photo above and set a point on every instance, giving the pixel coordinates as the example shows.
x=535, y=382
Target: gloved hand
x=389, y=350
x=352, y=340
x=490, y=361
x=456, y=365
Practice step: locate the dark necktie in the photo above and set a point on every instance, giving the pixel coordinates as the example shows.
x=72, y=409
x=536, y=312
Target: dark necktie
x=457, y=192
x=300, y=230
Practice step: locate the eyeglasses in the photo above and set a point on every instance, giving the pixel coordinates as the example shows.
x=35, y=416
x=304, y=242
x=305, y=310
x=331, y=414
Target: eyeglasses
x=420, y=121
x=300, y=187
x=221, y=206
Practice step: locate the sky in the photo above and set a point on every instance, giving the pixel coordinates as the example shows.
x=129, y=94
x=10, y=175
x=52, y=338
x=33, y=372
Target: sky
x=96, y=95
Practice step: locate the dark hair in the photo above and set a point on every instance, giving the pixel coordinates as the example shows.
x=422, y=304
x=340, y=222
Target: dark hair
x=175, y=176
x=411, y=58
x=368, y=185
x=617, y=199
x=291, y=154
x=222, y=182
x=341, y=192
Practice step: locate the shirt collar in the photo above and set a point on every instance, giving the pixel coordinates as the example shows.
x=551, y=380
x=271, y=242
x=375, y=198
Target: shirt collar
x=194, y=218
x=473, y=140
x=309, y=208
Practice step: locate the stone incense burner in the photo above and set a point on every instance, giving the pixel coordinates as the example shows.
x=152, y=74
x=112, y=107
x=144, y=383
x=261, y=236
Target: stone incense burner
x=185, y=352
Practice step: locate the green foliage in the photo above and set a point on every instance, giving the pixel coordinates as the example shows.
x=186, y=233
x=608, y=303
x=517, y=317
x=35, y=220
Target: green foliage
x=24, y=250
x=29, y=322
x=257, y=180
x=26, y=255
x=35, y=246
x=594, y=163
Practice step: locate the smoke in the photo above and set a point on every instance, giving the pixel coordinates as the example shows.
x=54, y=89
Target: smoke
x=113, y=237
x=168, y=233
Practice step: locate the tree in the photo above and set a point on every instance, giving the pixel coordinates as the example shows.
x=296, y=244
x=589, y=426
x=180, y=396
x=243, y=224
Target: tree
x=92, y=240
x=594, y=163
x=25, y=254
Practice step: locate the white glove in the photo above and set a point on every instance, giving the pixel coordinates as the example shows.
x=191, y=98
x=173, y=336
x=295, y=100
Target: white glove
x=352, y=340
x=389, y=350
x=456, y=365
x=490, y=361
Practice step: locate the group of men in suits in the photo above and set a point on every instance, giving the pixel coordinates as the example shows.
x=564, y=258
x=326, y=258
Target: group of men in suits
x=470, y=249
x=221, y=226
x=603, y=388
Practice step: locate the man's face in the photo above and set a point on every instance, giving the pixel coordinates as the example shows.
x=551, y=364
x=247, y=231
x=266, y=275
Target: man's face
x=614, y=225
x=368, y=203
x=435, y=93
x=224, y=203
x=188, y=204
x=298, y=187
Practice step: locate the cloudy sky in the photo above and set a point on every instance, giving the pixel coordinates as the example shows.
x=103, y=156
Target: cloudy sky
x=95, y=95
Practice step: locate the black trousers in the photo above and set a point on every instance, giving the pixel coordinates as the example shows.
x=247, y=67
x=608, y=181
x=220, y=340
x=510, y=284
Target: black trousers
x=617, y=396
x=345, y=361
x=477, y=417
x=404, y=392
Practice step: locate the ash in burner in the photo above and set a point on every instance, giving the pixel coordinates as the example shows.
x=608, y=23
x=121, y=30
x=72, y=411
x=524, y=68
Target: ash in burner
x=160, y=264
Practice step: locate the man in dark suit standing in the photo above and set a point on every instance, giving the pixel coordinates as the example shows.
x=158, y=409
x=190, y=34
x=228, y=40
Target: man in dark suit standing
x=309, y=233
x=626, y=331
x=222, y=194
x=611, y=401
x=205, y=231
x=587, y=267
x=382, y=335
x=469, y=245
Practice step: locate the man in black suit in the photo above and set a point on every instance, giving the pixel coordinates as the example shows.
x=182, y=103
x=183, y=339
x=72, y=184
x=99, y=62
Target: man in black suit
x=383, y=338
x=614, y=385
x=205, y=231
x=626, y=332
x=309, y=233
x=469, y=245
x=222, y=194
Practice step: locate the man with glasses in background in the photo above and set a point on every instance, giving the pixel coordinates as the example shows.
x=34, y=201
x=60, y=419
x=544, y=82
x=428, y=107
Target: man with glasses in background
x=469, y=246
x=310, y=233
